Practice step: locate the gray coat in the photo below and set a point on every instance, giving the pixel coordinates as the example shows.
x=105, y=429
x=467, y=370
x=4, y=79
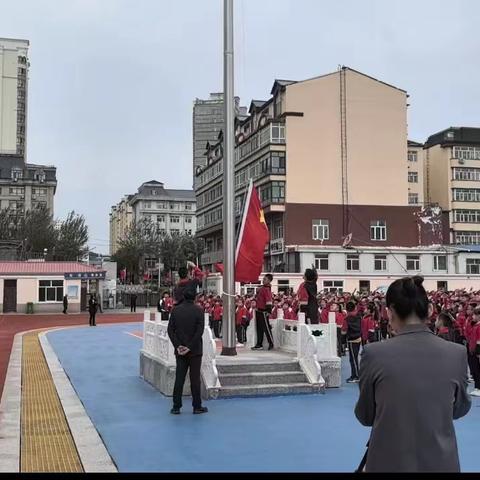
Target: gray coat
x=412, y=387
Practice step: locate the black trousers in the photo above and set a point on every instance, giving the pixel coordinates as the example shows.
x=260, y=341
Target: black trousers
x=474, y=365
x=241, y=333
x=340, y=347
x=263, y=326
x=91, y=321
x=217, y=328
x=353, y=349
x=133, y=305
x=185, y=363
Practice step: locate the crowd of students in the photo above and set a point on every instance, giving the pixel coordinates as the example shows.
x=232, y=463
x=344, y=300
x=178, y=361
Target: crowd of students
x=361, y=317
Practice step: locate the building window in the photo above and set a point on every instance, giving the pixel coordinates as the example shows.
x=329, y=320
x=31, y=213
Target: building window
x=17, y=190
x=378, y=230
x=469, y=174
x=440, y=262
x=413, y=262
x=147, y=204
x=466, y=194
x=274, y=192
x=160, y=218
x=353, y=262
x=283, y=286
x=277, y=133
x=50, y=291
x=174, y=219
x=320, y=230
x=473, y=266
x=188, y=206
x=413, y=198
x=412, y=177
x=17, y=174
x=188, y=219
x=321, y=261
x=174, y=231
x=412, y=156
x=466, y=216
x=466, y=153
x=39, y=176
x=467, y=238
x=154, y=192
x=334, y=286
x=41, y=192
x=380, y=263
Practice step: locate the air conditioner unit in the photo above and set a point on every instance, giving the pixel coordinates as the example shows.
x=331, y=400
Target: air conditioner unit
x=461, y=161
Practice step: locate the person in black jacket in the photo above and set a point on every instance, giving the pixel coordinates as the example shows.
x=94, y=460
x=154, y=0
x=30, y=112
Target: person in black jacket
x=353, y=329
x=65, y=303
x=185, y=331
x=310, y=285
x=92, y=310
x=184, y=283
x=163, y=307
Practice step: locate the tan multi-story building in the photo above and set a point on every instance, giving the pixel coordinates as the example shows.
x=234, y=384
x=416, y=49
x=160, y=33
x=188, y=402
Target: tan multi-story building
x=415, y=173
x=121, y=216
x=329, y=157
x=13, y=95
x=452, y=180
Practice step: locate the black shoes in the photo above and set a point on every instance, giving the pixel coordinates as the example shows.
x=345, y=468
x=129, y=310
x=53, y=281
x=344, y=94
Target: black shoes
x=175, y=411
x=352, y=380
x=270, y=347
x=198, y=411
x=257, y=347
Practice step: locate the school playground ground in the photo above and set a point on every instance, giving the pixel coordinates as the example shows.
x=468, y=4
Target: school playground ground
x=114, y=407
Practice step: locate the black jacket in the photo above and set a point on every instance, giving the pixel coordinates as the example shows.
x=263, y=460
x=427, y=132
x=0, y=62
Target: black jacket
x=162, y=308
x=312, y=306
x=186, y=327
x=354, y=326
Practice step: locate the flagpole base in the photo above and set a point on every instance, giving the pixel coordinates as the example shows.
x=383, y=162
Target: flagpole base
x=229, y=351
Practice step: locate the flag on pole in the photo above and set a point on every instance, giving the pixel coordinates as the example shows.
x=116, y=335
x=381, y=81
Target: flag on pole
x=252, y=239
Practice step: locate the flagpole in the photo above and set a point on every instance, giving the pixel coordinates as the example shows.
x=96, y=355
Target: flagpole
x=228, y=326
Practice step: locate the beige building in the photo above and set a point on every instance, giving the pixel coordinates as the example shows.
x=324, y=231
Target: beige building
x=452, y=180
x=415, y=173
x=121, y=216
x=13, y=95
x=329, y=157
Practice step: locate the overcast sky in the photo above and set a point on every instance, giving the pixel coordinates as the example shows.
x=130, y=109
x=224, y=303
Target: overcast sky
x=112, y=82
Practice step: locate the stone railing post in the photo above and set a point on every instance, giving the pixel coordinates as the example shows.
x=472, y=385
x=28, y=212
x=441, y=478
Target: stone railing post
x=146, y=315
x=301, y=321
x=158, y=317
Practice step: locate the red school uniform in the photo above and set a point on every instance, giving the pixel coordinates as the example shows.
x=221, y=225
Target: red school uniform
x=473, y=337
x=217, y=312
x=241, y=314
x=289, y=314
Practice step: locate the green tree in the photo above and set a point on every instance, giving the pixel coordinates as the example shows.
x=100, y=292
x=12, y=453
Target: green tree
x=71, y=238
x=35, y=231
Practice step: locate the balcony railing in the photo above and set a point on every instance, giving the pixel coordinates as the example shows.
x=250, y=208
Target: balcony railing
x=212, y=257
x=277, y=246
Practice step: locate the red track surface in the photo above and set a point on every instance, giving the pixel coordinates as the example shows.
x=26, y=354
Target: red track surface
x=10, y=325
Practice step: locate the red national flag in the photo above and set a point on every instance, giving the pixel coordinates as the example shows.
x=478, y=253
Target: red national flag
x=219, y=267
x=253, y=237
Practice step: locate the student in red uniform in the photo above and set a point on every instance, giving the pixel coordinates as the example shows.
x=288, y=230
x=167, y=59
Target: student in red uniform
x=241, y=315
x=264, y=308
x=445, y=328
x=473, y=338
x=289, y=312
x=274, y=314
x=368, y=324
x=307, y=296
x=217, y=319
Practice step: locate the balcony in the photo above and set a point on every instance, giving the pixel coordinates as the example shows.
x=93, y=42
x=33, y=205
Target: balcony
x=212, y=257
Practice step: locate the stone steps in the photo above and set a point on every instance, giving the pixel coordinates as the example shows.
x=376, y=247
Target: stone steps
x=257, y=367
x=264, y=378
x=267, y=390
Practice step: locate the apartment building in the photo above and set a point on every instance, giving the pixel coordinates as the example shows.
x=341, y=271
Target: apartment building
x=330, y=159
x=415, y=173
x=25, y=186
x=14, y=67
x=121, y=216
x=208, y=120
x=172, y=211
x=452, y=180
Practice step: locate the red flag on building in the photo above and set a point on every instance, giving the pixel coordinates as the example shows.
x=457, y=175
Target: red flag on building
x=253, y=237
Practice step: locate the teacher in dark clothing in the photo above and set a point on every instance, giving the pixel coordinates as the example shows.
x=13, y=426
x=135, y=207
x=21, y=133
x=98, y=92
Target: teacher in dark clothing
x=412, y=387
x=185, y=330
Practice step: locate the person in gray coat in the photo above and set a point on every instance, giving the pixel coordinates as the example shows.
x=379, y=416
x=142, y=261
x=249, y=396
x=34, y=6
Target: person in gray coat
x=412, y=387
